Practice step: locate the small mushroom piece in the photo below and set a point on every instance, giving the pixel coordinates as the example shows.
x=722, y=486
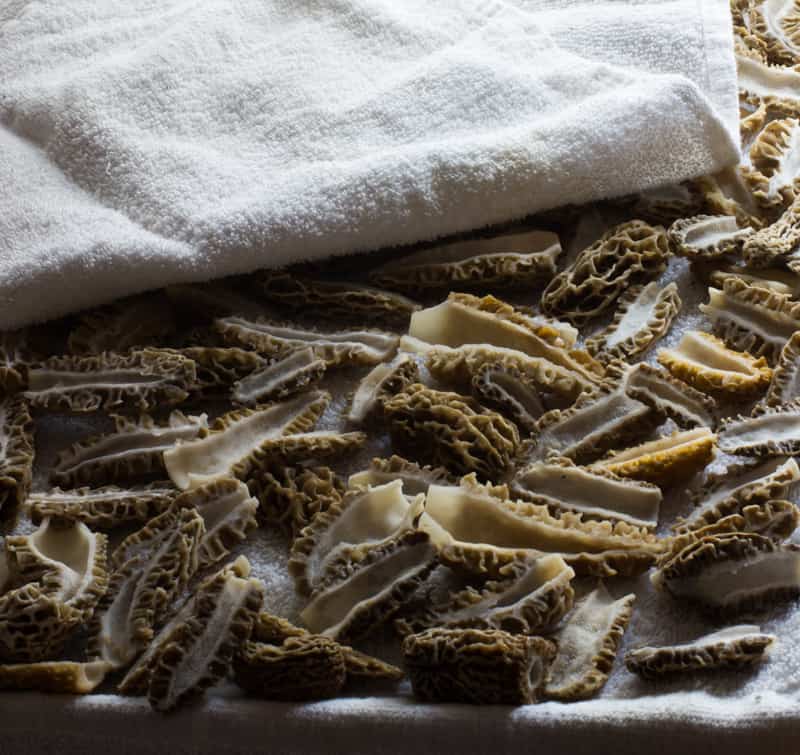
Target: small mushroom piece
x=415, y=478
x=139, y=380
x=736, y=647
x=508, y=391
x=704, y=362
x=776, y=25
x=767, y=432
x=218, y=368
x=707, y=236
x=59, y=677
x=587, y=646
x=382, y=382
x=283, y=378
x=785, y=385
x=16, y=451
x=476, y=666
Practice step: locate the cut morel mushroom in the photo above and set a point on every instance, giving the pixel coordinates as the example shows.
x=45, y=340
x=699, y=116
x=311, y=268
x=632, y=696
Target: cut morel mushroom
x=218, y=368
x=751, y=318
x=290, y=496
x=707, y=236
x=530, y=597
x=779, y=280
x=508, y=391
x=664, y=461
x=103, y=508
x=767, y=432
x=339, y=347
x=415, y=478
x=703, y=361
x=358, y=596
x=644, y=315
x=460, y=366
x=478, y=528
x=141, y=592
x=777, y=87
x=56, y=576
x=629, y=254
x=598, y=421
x=737, y=647
x=283, y=378
x=364, y=518
x=732, y=573
x=776, y=244
x=452, y=430
x=463, y=319
x=785, y=385
x=139, y=380
x=338, y=299
x=512, y=260
x=669, y=397
x=774, y=156
x=195, y=650
x=233, y=444
x=131, y=323
x=134, y=450
x=16, y=451
x=776, y=27
x=382, y=382
x=561, y=485
x=59, y=677
x=738, y=486
x=587, y=646
x=476, y=666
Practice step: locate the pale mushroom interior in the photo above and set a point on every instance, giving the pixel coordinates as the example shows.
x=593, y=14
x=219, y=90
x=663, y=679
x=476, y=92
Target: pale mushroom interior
x=366, y=393
x=767, y=81
x=262, y=382
x=754, y=431
x=661, y=445
x=774, y=327
x=637, y=315
x=710, y=231
x=667, y=395
x=706, y=354
x=527, y=397
x=753, y=477
x=72, y=549
x=218, y=510
x=47, y=379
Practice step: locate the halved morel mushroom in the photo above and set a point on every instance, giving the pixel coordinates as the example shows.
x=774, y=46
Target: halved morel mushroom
x=703, y=361
x=777, y=27
x=512, y=260
x=508, y=391
x=738, y=647
x=531, y=596
x=382, y=382
x=644, y=314
x=774, y=157
x=340, y=299
x=464, y=319
x=664, y=461
x=707, y=236
x=459, y=367
x=669, y=397
x=364, y=518
x=775, y=243
x=196, y=649
x=738, y=486
x=732, y=573
x=103, y=508
x=776, y=279
x=597, y=421
x=362, y=346
x=415, y=478
x=587, y=646
x=452, y=430
x=59, y=677
x=752, y=319
x=16, y=451
x=134, y=450
x=478, y=528
x=56, y=576
x=283, y=378
x=139, y=380
x=141, y=592
x=135, y=322
x=769, y=431
x=360, y=594
x=775, y=86
x=629, y=254
x=235, y=438
x=563, y=486
x=476, y=666
x=726, y=193
x=219, y=368
x=785, y=385
x=291, y=496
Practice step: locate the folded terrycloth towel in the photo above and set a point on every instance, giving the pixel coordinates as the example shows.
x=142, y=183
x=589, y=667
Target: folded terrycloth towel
x=148, y=142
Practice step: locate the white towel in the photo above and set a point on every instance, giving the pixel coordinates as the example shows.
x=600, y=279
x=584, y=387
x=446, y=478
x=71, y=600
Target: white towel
x=149, y=142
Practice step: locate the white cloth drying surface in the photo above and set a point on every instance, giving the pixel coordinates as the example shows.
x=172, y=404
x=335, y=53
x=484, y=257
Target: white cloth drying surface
x=149, y=142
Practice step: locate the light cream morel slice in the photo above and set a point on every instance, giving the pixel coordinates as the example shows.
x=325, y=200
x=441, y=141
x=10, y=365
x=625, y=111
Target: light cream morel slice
x=415, y=478
x=237, y=435
x=218, y=368
x=776, y=25
x=735, y=647
x=279, y=380
x=478, y=528
x=336, y=347
x=776, y=279
x=767, y=432
x=644, y=314
x=707, y=236
x=140, y=380
x=510, y=260
x=380, y=383
x=133, y=450
x=587, y=646
x=703, y=361
x=508, y=390
x=562, y=485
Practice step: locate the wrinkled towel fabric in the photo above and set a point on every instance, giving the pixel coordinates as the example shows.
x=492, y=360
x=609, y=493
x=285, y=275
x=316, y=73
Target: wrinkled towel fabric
x=149, y=142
